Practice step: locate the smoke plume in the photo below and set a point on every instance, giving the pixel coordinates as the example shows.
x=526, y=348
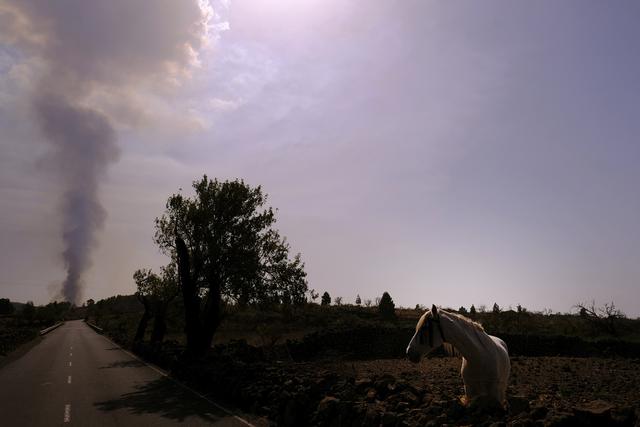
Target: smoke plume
x=85, y=143
x=88, y=52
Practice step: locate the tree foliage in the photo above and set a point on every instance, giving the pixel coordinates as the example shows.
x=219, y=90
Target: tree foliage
x=29, y=311
x=386, y=307
x=155, y=293
x=226, y=249
x=6, y=307
x=472, y=310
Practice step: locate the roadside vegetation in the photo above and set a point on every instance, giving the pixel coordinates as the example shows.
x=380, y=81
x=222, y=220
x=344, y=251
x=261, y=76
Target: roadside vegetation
x=20, y=323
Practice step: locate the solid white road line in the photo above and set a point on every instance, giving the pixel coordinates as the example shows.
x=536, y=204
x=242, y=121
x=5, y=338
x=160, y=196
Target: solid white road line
x=69, y=379
x=70, y=354
x=69, y=363
x=67, y=412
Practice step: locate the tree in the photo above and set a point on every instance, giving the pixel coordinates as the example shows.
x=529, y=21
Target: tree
x=358, y=300
x=496, y=308
x=338, y=300
x=155, y=293
x=604, y=318
x=225, y=247
x=368, y=303
x=472, y=310
x=326, y=299
x=386, y=307
x=146, y=281
x=29, y=311
x=6, y=307
x=462, y=310
x=313, y=294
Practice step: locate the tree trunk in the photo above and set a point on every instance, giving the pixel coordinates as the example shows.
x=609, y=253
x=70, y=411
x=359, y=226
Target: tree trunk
x=159, y=324
x=193, y=328
x=144, y=320
x=212, y=316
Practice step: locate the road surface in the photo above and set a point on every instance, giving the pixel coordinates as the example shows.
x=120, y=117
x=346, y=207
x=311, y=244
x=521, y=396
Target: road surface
x=76, y=377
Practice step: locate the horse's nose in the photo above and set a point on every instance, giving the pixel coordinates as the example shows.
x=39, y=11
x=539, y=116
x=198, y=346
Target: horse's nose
x=413, y=355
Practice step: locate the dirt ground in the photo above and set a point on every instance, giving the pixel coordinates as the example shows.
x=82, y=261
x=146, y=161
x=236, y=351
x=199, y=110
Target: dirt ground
x=543, y=391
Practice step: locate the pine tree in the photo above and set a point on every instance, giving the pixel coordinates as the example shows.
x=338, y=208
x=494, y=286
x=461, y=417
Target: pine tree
x=386, y=307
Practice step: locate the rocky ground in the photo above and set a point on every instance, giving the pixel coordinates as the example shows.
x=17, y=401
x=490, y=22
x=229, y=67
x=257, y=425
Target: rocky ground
x=549, y=391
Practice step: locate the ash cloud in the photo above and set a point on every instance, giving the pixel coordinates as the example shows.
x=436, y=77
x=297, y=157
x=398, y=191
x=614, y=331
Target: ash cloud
x=87, y=48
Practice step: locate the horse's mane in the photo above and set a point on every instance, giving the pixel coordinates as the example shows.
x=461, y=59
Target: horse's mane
x=448, y=347
x=464, y=319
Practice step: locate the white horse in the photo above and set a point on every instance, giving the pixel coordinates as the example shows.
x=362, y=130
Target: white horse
x=485, y=358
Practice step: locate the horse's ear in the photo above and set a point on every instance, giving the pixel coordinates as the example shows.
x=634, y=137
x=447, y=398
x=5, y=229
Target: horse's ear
x=434, y=311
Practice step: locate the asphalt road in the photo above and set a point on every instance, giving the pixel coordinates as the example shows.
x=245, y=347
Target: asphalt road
x=78, y=377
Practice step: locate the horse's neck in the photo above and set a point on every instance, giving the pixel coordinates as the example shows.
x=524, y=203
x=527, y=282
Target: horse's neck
x=464, y=337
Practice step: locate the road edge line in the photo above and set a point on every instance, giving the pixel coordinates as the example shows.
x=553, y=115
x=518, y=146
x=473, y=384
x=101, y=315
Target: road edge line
x=167, y=375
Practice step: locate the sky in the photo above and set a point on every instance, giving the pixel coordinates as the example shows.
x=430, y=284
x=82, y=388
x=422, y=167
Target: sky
x=453, y=153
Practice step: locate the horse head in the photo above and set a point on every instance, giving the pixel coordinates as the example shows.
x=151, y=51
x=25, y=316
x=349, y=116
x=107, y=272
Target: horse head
x=428, y=336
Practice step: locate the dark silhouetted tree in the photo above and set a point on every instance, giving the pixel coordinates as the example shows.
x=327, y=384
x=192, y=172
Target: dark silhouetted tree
x=155, y=293
x=496, y=308
x=386, y=307
x=602, y=318
x=29, y=311
x=146, y=281
x=472, y=310
x=326, y=299
x=6, y=307
x=358, y=300
x=225, y=245
x=338, y=300
x=462, y=310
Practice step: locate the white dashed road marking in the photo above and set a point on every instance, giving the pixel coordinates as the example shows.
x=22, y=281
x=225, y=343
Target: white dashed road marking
x=69, y=379
x=69, y=363
x=67, y=412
